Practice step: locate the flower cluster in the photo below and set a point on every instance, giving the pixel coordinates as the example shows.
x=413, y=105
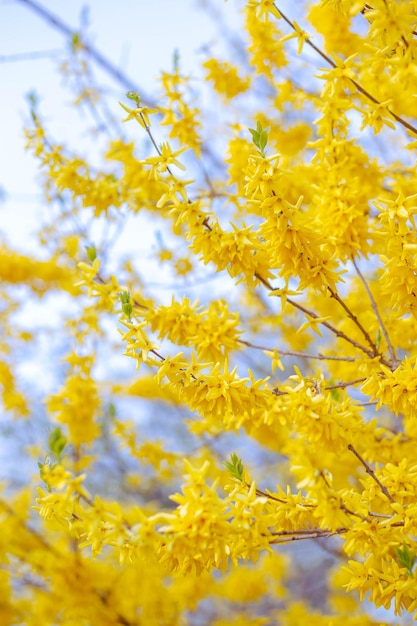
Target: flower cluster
x=251, y=423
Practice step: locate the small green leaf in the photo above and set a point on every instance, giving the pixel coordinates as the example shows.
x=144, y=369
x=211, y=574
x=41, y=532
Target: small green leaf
x=406, y=558
x=126, y=303
x=235, y=466
x=176, y=59
x=378, y=338
x=133, y=95
x=33, y=101
x=91, y=253
x=263, y=139
x=259, y=137
x=75, y=41
x=57, y=441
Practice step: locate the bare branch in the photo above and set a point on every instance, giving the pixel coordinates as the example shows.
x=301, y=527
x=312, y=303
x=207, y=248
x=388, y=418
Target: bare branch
x=371, y=473
x=353, y=317
x=301, y=355
x=377, y=314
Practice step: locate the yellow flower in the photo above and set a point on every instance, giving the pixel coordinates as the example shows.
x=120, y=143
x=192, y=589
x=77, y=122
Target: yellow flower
x=164, y=160
x=139, y=113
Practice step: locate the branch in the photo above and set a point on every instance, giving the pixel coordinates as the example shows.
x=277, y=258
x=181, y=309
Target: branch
x=377, y=314
x=371, y=473
x=357, y=381
x=301, y=355
x=285, y=536
x=30, y=56
x=353, y=317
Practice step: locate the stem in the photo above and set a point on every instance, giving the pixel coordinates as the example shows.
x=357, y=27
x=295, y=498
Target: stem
x=391, y=349
x=347, y=384
x=301, y=355
x=371, y=473
x=353, y=317
x=285, y=536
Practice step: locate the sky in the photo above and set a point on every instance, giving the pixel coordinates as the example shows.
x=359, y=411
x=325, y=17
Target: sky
x=138, y=37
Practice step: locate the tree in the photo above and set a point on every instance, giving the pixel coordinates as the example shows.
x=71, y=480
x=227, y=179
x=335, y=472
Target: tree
x=271, y=439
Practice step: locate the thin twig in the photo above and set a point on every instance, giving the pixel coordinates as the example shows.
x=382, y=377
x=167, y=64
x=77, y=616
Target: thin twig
x=353, y=317
x=371, y=473
x=285, y=536
x=278, y=392
x=347, y=384
x=390, y=347
x=30, y=56
x=301, y=355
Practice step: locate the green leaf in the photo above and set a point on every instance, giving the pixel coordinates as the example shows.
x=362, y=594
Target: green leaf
x=176, y=59
x=75, y=41
x=235, y=466
x=126, y=303
x=57, y=441
x=263, y=139
x=133, y=95
x=378, y=338
x=406, y=558
x=91, y=253
x=259, y=137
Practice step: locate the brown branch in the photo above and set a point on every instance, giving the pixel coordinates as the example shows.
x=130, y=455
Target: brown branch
x=371, y=473
x=347, y=384
x=301, y=355
x=353, y=317
x=265, y=494
x=391, y=349
x=349, y=512
x=285, y=536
